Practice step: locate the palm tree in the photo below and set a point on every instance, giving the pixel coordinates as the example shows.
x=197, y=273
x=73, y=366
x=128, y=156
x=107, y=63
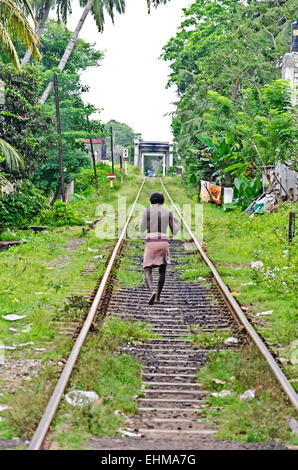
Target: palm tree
x=14, y=23
x=10, y=155
x=43, y=7
x=97, y=7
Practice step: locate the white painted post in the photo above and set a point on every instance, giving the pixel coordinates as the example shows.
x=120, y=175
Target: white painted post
x=164, y=165
x=171, y=147
x=125, y=158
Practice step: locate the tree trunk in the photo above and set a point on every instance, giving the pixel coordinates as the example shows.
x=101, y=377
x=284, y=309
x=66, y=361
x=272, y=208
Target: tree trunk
x=68, y=50
x=39, y=31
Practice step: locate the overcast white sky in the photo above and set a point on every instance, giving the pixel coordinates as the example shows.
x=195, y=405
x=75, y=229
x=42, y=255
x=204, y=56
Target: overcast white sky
x=130, y=84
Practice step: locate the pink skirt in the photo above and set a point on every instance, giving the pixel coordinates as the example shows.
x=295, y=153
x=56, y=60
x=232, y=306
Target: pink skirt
x=156, y=253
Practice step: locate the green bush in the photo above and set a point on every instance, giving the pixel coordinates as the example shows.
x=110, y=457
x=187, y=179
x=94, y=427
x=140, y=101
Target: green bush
x=60, y=214
x=17, y=209
x=85, y=180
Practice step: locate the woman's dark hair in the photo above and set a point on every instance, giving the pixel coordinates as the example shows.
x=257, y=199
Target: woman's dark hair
x=157, y=198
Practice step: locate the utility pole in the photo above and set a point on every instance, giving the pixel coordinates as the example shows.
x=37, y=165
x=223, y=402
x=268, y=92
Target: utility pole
x=121, y=169
x=92, y=153
x=112, y=149
x=59, y=136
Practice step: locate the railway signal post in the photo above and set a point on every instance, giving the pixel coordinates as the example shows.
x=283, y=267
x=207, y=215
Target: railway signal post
x=125, y=158
x=111, y=177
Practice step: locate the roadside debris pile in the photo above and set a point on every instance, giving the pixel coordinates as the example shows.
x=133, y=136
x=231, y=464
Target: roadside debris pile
x=279, y=182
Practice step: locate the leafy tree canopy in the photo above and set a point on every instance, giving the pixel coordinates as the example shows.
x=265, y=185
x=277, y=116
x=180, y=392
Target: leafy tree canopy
x=123, y=134
x=233, y=110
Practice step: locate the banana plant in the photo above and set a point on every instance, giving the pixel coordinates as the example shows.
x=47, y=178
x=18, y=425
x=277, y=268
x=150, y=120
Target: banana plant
x=246, y=190
x=223, y=152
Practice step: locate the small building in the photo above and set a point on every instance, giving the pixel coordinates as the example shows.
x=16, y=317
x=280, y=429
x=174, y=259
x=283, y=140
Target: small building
x=99, y=147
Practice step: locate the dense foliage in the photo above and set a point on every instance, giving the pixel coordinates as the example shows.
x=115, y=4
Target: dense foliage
x=18, y=209
x=72, y=109
x=24, y=124
x=234, y=113
x=86, y=181
x=60, y=214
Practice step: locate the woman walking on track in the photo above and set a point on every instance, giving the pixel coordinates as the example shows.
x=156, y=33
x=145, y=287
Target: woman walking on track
x=156, y=220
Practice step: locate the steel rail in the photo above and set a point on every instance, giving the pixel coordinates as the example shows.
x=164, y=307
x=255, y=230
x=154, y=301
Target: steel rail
x=285, y=384
x=53, y=403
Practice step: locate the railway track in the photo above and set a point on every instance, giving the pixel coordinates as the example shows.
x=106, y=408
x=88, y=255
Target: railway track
x=171, y=399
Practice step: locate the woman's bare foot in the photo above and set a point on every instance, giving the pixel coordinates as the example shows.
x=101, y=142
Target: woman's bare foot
x=152, y=298
x=158, y=301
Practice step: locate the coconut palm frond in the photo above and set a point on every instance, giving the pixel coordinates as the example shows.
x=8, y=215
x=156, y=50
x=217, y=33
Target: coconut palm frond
x=13, y=159
x=8, y=46
x=3, y=180
x=26, y=5
x=155, y=3
x=63, y=9
x=99, y=7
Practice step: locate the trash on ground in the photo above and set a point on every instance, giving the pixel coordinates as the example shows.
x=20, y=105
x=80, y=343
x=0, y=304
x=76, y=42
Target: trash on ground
x=98, y=257
x=81, y=398
x=14, y=330
x=128, y=434
x=223, y=393
x=13, y=317
x=91, y=249
x=26, y=329
x=4, y=407
x=234, y=293
x=4, y=346
x=268, y=312
x=20, y=345
x=247, y=284
x=40, y=349
x=247, y=395
x=231, y=340
x=217, y=381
